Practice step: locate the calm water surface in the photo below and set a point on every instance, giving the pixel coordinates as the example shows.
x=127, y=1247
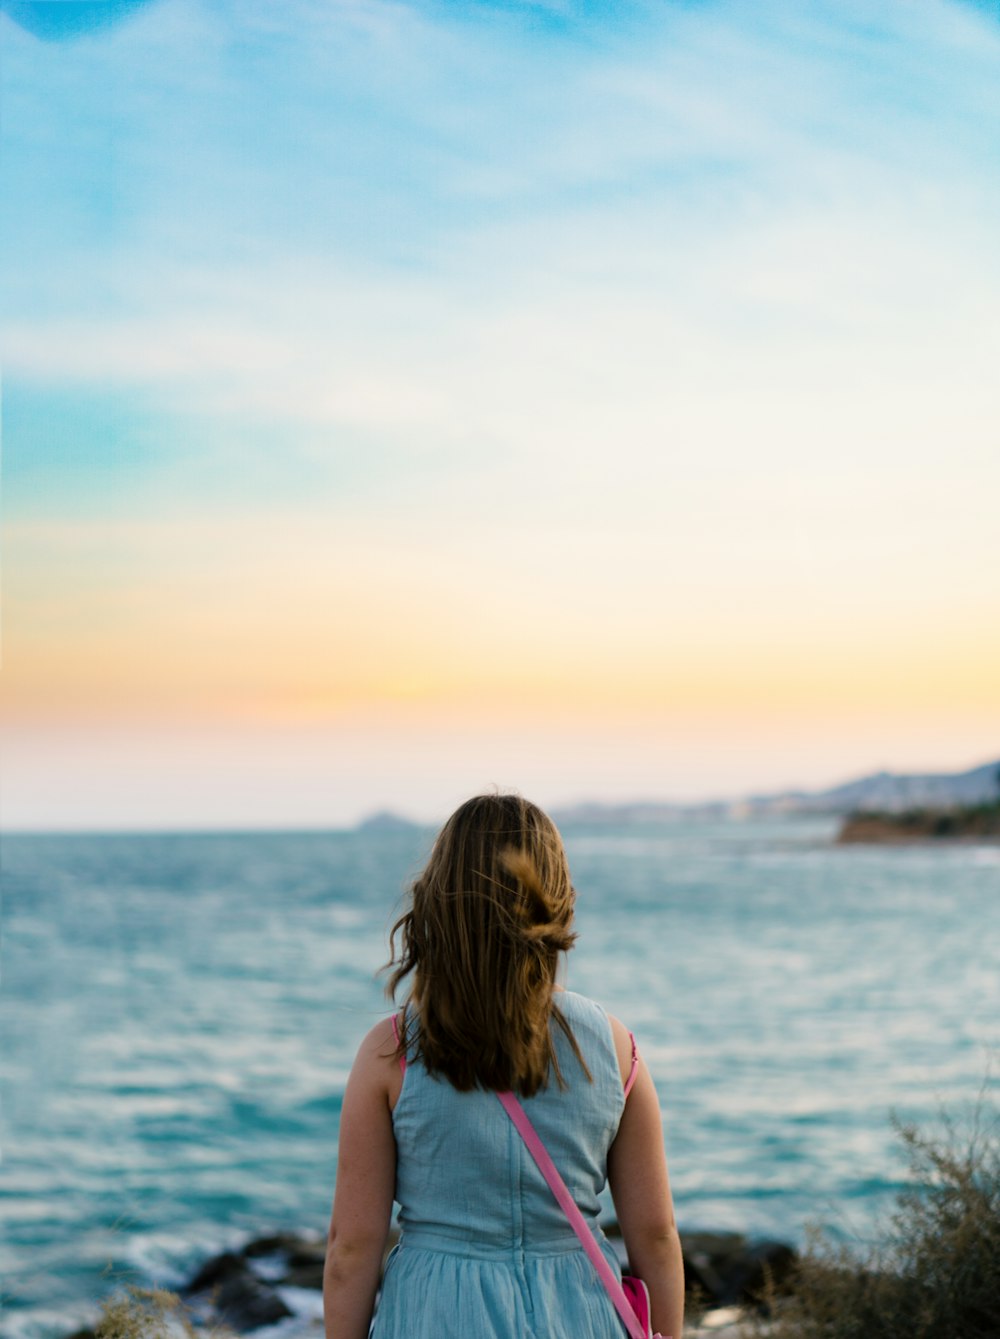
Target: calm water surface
x=180, y=1013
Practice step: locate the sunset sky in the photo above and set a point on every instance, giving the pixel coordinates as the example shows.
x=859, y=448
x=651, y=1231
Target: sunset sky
x=599, y=399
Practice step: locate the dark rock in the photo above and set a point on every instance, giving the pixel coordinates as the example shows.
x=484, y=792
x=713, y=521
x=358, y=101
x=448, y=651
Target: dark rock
x=707, y=1260
x=216, y=1270
x=284, y=1243
x=244, y=1303
x=701, y=1283
x=234, y=1293
x=305, y=1256
x=304, y=1275
x=298, y=1260
x=763, y=1266
x=721, y=1269
x=726, y=1269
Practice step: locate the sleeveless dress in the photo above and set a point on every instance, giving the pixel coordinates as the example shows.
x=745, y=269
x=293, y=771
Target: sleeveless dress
x=485, y=1252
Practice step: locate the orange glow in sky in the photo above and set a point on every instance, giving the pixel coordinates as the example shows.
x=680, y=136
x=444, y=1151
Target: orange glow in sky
x=638, y=440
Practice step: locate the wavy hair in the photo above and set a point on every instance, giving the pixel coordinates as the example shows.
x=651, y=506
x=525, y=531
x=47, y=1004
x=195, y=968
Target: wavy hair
x=488, y=917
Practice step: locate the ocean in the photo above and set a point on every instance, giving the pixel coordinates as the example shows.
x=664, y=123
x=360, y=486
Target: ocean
x=180, y=1012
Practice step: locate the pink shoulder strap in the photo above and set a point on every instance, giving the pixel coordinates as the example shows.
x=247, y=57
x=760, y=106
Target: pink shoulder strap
x=577, y=1221
x=635, y=1065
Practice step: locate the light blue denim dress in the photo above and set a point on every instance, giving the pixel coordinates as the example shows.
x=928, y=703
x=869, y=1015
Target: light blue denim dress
x=485, y=1252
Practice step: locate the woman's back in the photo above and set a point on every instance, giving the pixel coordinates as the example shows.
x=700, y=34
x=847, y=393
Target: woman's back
x=481, y=1231
x=463, y=1171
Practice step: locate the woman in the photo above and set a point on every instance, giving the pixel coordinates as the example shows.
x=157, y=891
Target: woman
x=485, y=1252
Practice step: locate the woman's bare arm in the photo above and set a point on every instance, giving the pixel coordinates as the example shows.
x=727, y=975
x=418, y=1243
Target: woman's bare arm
x=366, y=1179
x=640, y=1187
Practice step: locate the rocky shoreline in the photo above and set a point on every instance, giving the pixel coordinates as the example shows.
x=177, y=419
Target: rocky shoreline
x=278, y=1279
x=980, y=822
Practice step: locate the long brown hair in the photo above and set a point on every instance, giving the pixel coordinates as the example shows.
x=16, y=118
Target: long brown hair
x=488, y=918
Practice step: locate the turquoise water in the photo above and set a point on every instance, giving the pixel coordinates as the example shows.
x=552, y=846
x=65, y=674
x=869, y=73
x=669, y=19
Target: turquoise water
x=181, y=1011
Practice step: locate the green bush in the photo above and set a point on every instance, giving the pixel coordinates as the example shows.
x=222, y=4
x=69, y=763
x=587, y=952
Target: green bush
x=935, y=1274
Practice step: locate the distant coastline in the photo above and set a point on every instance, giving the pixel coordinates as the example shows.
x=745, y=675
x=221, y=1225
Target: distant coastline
x=887, y=796
x=960, y=823
x=887, y=793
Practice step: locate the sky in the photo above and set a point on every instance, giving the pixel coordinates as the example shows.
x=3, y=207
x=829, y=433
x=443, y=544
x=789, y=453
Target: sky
x=401, y=399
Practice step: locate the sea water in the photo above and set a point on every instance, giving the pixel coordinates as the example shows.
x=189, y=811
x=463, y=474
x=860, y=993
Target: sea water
x=181, y=1012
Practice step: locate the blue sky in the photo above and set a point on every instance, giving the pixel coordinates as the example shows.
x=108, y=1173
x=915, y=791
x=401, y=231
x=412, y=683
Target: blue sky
x=566, y=318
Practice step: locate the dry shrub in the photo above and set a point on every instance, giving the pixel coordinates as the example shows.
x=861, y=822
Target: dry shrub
x=143, y=1313
x=935, y=1274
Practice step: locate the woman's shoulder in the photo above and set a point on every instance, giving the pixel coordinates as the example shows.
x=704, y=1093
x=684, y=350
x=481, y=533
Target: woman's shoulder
x=584, y=1013
x=574, y=1005
x=379, y=1041
x=570, y=999
x=376, y=1064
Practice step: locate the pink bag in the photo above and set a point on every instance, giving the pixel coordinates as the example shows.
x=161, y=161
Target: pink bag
x=638, y=1296
x=629, y=1295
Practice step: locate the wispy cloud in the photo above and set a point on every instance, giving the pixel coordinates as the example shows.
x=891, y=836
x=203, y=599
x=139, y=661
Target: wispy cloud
x=446, y=350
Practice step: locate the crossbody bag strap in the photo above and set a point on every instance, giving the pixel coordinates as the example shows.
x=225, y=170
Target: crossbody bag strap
x=568, y=1205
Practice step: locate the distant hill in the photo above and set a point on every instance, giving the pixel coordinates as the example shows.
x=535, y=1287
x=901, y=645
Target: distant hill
x=385, y=820
x=883, y=792
x=889, y=792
